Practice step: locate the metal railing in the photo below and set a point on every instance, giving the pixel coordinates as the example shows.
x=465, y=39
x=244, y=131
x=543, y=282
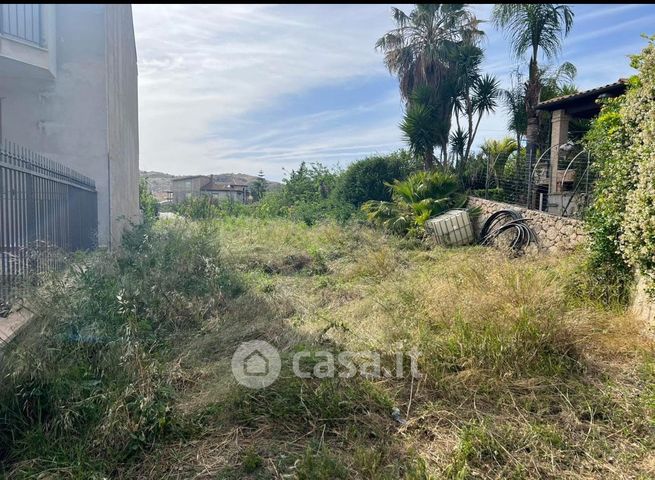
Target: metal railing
x=22, y=21
x=45, y=208
x=510, y=179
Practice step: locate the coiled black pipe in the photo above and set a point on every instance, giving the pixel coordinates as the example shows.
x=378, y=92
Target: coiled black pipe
x=507, y=220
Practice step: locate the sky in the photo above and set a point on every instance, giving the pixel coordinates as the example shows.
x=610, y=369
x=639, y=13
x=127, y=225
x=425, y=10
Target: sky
x=244, y=88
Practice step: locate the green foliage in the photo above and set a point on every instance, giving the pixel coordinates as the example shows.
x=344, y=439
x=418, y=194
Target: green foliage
x=622, y=142
x=638, y=239
x=307, y=195
x=497, y=194
x=434, y=46
x=422, y=125
x=259, y=187
x=321, y=465
x=204, y=207
x=366, y=179
x=414, y=200
x=609, y=275
x=86, y=385
x=196, y=208
x=147, y=202
x=532, y=26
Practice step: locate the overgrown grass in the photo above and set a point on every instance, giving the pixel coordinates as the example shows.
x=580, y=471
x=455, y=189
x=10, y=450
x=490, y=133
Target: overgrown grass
x=126, y=372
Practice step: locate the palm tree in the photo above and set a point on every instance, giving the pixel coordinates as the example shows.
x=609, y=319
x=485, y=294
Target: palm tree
x=496, y=153
x=458, y=143
x=422, y=126
x=422, y=50
x=514, y=100
x=533, y=27
x=486, y=92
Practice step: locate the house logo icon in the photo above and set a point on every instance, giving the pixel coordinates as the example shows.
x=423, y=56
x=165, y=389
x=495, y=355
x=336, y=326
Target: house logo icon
x=256, y=364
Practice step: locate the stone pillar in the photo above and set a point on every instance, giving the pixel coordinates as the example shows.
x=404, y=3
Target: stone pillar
x=559, y=136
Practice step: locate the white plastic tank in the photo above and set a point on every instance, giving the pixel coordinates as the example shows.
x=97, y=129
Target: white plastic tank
x=452, y=228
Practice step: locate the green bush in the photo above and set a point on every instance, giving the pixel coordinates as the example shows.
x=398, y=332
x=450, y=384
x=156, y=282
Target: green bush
x=622, y=141
x=147, y=202
x=367, y=179
x=308, y=195
x=206, y=207
x=85, y=385
x=414, y=200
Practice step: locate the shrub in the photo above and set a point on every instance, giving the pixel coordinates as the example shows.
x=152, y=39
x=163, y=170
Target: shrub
x=147, y=202
x=205, y=207
x=620, y=219
x=308, y=196
x=367, y=179
x=414, y=200
x=86, y=384
x=497, y=194
x=638, y=239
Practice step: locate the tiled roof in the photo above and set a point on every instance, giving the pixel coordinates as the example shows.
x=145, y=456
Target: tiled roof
x=616, y=87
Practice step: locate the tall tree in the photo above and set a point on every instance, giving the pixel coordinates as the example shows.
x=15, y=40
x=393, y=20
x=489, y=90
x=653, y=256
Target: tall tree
x=422, y=50
x=259, y=187
x=486, y=92
x=534, y=27
x=422, y=126
x=514, y=101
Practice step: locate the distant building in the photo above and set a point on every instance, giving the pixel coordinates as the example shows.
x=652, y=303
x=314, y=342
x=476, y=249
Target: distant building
x=187, y=187
x=226, y=191
x=194, y=186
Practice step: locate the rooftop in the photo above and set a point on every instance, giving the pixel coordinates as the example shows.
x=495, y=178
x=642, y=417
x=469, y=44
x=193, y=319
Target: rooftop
x=190, y=177
x=216, y=186
x=583, y=104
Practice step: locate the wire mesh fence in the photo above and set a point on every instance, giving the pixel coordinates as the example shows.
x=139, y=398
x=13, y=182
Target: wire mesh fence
x=532, y=183
x=45, y=208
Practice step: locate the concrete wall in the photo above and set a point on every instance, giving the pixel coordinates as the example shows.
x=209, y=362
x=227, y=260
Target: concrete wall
x=555, y=234
x=123, y=125
x=66, y=116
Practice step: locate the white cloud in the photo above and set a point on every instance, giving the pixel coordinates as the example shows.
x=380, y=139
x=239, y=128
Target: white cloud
x=207, y=71
x=204, y=65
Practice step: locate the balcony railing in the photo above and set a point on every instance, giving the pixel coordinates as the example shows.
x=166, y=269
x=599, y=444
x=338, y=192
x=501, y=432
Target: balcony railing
x=23, y=22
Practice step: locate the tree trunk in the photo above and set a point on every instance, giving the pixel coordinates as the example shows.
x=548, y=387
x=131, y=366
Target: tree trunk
x=471, y=135
x=532, y=132
x=429, y=160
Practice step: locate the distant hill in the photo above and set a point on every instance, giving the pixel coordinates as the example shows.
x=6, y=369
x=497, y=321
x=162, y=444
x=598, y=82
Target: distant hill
x=160, y=182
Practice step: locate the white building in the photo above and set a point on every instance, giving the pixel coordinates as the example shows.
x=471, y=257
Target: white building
x=68, y=90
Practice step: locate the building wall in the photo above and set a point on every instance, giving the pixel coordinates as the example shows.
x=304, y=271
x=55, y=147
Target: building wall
x=123, y=120
x=185, y=188
x=555, y=234
x=236, y=195
x=63, y=113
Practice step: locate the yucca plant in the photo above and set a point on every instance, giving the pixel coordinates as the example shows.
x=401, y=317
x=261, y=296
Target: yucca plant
x=415, y=200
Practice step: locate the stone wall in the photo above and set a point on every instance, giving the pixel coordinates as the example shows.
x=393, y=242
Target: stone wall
x=555, y=234
x=642, y=306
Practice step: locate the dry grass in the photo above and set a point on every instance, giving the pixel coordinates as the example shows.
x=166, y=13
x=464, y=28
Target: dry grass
x=521, y=380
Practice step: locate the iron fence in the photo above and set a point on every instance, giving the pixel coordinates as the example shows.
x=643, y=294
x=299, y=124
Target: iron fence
x=22, y=21
x=45, y=208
